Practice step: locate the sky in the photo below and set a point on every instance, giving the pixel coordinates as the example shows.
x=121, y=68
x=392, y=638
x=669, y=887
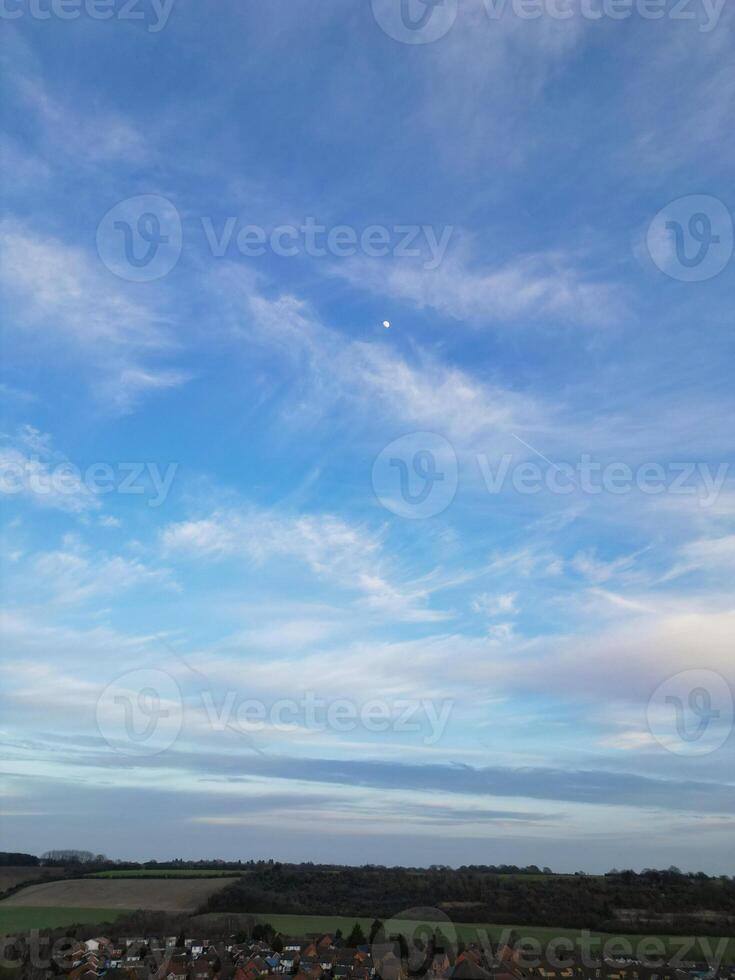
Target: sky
x=366, y=449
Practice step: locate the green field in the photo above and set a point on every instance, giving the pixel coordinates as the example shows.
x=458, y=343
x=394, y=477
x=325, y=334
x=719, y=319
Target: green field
x=165, y=873
x=18, y=919
x=297, y=925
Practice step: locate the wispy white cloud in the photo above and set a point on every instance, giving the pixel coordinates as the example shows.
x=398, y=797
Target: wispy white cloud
x=349, y=555
x=319, y=541
x=32, y=468
x=61, y=290
x=686, y=119
x=595, y=569
x=74, y=574
x=503, y=604
x=64, y=133
x=375, y=379
x=55, y=292
x=533, y=287
x=711, y=555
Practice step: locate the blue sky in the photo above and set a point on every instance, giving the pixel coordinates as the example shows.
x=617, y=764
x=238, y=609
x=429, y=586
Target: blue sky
x=424, y=593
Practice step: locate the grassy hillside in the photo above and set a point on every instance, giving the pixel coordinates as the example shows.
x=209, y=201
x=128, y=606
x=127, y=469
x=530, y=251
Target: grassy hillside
x=17, y=919
x=658, y=902
x=300, y=925
x=172, y=873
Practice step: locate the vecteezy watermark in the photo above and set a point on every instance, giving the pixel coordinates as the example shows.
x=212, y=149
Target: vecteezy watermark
x=140, y=239
x=412, y=944
x=691, y=239
x=338, y=241
x=154, y=14
x=692, y=713
x=416, y=476
x=425, y=21
x=37, y=951
x=417, y=941
x=415, y=21
x=596, y=951
x=30, y=474
x=420, y=716
x=141, y=712
x=593, y=477
x=407, y=944
x=705, y=13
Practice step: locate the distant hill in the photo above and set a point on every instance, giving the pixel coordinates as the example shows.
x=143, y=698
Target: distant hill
x=622, y=900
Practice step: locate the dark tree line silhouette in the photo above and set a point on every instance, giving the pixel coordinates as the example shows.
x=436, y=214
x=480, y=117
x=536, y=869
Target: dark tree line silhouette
x=609, y=903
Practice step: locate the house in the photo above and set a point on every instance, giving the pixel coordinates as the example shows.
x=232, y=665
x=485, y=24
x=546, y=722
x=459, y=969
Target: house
x=389, y=967
x=99, y=943
x=440, y=965
x=177, y=968
x=345, y=956
x=201, y=971
x=83, y=972
x=468, y=968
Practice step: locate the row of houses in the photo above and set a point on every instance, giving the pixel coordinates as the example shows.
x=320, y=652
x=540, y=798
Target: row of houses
x=323, y=957
x=145, y=958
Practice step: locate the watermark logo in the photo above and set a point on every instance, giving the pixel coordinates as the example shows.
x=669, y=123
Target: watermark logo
x=691, y=239
x=140, y=713
x=416, y=943
x=153, y=14
x=424, y=21
x=409, y=943
x=415, y=21
x=63, y=482
x=692, y=713
x=140, y=239
x=427, y=243
x=705, y=14
x=416, y=476
x=249, y=716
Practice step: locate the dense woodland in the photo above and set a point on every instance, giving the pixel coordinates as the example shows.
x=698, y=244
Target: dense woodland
x=622, y=901
x=16, y=859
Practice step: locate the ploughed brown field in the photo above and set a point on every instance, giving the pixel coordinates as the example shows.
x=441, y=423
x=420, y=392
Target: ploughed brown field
x=9, y=877
x=158, y=894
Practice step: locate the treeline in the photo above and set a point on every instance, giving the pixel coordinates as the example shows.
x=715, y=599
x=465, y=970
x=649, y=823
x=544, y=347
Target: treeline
x=15, y=859
x=624, y=901
x=468, y=872
x=63, y=857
